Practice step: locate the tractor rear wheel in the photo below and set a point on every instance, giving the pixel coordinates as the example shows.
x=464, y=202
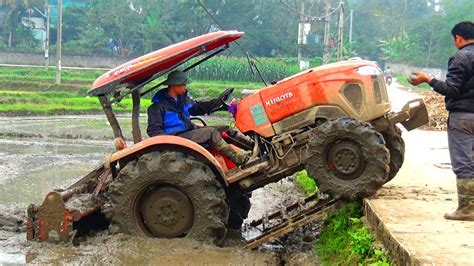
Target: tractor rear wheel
x=396, y=146
x=168, y=194
x=348, y=159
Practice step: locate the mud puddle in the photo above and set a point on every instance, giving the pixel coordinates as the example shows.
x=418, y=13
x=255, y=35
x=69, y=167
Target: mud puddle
x=31, y=168
x=39, y=154
x=127, y=250
x=105, y=248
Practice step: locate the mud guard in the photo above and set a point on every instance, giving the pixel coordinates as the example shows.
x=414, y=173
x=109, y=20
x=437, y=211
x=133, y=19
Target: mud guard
x=155, y=142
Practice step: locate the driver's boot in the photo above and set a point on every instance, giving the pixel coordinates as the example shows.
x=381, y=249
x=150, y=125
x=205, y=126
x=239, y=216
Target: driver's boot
x=465, y=210
x=238, y=159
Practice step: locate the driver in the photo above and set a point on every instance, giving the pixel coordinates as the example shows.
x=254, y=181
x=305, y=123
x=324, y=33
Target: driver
x=170, y=115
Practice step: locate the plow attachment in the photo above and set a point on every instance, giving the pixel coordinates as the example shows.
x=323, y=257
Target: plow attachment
x=57, y=219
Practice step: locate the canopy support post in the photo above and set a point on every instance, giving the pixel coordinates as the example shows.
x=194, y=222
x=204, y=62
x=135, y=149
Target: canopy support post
x=137, y=135
x=106, y=106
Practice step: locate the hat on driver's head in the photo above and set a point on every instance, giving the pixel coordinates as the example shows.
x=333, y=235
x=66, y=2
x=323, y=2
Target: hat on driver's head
x=177, y=77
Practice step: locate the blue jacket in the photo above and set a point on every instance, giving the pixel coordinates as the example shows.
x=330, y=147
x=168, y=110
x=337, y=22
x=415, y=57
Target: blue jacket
x=167, y=116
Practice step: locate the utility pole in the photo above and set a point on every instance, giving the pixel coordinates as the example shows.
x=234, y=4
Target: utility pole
x=301, y=35
x=340, y=32
x=350, y=25
x=59, y=41
x=327, y=23
x=47, y=10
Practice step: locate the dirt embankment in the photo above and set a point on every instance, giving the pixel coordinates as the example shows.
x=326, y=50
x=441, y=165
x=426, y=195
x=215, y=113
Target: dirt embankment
x=438, y=116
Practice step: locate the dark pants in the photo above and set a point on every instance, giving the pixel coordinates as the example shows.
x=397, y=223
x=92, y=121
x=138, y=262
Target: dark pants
x=461, y=140
x=206, y=136
x=239, y=203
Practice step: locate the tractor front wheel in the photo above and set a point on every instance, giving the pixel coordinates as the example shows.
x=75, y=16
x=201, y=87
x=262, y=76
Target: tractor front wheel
x=348, y=159
x=168, y=194
x=396, y=146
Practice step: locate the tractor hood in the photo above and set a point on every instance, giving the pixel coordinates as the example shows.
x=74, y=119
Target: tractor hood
x=157, y=63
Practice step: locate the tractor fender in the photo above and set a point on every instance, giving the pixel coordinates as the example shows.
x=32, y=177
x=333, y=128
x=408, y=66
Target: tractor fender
x=152, y=143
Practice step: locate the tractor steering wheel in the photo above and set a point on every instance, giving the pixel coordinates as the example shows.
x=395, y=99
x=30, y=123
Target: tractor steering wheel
x=223, y=100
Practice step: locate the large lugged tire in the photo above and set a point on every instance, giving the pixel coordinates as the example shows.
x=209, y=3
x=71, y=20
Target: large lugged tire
x=348, y=159
x=168, y=194
x=396, y=146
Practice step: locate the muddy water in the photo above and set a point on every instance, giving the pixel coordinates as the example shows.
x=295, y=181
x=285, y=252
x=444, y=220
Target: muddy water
x=30, y=168
x=75, y=127
x=120, y=249
x=38, y=154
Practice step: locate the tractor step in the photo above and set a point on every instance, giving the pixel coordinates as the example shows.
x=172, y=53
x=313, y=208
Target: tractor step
x=288, y=219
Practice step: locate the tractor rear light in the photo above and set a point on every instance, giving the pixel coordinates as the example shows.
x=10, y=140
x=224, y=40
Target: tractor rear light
x=369, y=71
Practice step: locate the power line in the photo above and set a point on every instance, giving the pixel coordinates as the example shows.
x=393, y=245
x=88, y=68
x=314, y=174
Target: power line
x=294, y=10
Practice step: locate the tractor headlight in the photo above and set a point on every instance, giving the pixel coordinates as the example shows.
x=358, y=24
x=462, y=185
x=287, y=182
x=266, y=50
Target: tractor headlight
x=368, y=71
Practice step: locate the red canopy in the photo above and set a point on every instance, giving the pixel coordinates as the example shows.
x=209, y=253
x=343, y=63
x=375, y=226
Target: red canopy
x=143, y=68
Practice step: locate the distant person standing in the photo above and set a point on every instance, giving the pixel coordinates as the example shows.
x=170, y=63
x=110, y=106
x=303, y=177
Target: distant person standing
x=388, y=72
x=388, y=75
x=458, y=90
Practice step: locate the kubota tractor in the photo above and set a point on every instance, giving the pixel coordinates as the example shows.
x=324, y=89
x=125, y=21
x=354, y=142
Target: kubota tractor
x=335, y=121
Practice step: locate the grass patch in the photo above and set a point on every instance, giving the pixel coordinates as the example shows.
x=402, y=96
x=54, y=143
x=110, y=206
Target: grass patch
x=345, y=241
x=402, y=80
x=33, y=91
x=306, y=183
x=50, y=73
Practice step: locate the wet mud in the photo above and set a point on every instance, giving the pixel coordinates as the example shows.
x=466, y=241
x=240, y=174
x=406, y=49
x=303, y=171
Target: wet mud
x=39, y=154
x=123, y=249
x=296, y=248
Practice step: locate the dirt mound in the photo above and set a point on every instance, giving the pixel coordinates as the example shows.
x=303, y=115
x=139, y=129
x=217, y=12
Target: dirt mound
x=436, y=110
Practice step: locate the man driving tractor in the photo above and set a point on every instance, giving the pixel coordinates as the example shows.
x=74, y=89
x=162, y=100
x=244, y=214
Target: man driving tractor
x=170, y=115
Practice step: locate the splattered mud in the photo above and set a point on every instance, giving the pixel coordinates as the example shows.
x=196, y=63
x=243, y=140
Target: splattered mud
x=39, y=154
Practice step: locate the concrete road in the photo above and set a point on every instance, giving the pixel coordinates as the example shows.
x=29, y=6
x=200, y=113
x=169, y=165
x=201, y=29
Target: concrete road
x=407, y=214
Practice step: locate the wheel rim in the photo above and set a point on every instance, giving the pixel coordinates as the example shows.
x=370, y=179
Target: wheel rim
x=346, y=160
x=165, y=212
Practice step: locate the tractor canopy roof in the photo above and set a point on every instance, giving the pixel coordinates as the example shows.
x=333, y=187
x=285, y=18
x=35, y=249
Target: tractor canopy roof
x=155, y=64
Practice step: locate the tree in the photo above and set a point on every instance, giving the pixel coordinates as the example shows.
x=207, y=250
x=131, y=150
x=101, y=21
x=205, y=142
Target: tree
x=14, y=8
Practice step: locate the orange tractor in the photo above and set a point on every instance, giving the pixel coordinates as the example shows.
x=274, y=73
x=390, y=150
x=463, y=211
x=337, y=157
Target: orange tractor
x=335, y=121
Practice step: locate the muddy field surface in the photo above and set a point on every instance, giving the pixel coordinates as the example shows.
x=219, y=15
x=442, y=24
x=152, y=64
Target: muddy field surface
x=39, y=154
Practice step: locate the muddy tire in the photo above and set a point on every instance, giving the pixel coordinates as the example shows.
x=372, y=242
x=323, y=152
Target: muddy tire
x=395, y=144
x=348, y=159
x=168, y=194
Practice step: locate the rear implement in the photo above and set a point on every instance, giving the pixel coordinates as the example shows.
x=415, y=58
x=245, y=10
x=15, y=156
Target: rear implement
x=55, y=220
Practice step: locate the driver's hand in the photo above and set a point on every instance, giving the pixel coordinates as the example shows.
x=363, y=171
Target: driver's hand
x=233, y=106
